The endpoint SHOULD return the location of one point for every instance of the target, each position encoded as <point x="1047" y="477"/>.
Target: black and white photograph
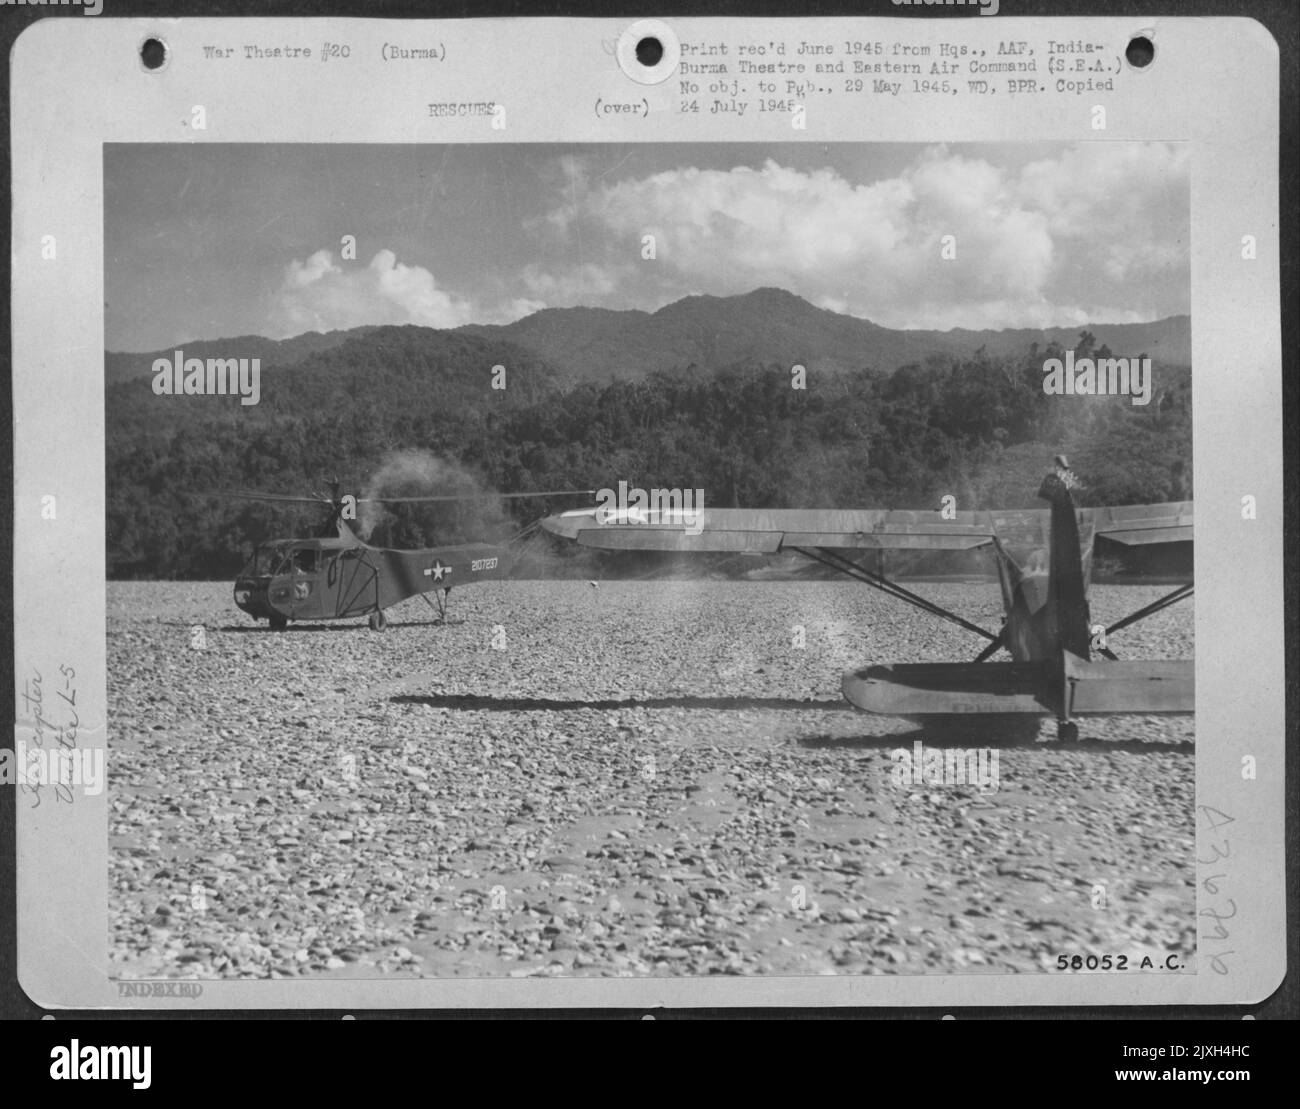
<point x="650" y="560"/>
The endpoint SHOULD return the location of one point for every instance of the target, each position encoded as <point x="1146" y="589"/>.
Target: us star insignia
<point x="437" y="571"/>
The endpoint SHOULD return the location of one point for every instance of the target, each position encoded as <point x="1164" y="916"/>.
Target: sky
<point x="207" y="241"/>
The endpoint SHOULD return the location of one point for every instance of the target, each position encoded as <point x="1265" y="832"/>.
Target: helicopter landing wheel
<point x="1067" y="731"/>
<point x="378" y="621"/>
<point x="278" y="623"/>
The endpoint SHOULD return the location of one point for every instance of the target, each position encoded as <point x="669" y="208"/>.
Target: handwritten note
<point x="1220" y="907"/>
<point x="53" y="759"/>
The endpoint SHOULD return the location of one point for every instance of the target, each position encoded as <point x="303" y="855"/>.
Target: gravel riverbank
<point x="644" y="778"/>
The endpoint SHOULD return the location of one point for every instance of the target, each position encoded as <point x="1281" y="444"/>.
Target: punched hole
<point x="153" y="53"/>
<point x="649" y="52"/>
<point x="1140" y="52"/>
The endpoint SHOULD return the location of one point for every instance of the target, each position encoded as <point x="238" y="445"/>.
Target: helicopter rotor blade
<point x="322" y="499"/>
<point x="274" y="498"/>
<point x="475" y="496"/>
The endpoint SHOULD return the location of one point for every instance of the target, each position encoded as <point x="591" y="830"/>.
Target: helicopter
<point x="335" y="575"/>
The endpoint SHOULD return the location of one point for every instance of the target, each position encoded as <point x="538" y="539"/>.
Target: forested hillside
<point x="975" y="425"/>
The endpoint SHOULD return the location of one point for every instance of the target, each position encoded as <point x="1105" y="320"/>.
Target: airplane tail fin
<point x="1067" y="596"/>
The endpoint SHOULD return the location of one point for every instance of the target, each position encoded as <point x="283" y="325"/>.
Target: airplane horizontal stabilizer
<point x="1131" y="685"/>
<point x="942" y="688"/>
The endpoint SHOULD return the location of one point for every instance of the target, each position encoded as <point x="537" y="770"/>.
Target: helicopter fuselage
<point x="336" y="579"/>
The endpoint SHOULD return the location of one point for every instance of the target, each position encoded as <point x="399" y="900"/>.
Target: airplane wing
<point x="769" y="530"/>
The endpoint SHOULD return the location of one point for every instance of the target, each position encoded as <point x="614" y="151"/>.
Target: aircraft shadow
<point x="292" y="629"/>
<point x="476" y="702"/>
<point x="1023" y="735"/>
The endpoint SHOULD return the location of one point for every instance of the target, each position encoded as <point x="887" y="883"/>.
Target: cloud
<point x="320" y="294"/>
<point x="587" y="283"/>
<point x="1093" y="233"/>
<point x="1079" y="236"/>
<point x="1127" y="201"/>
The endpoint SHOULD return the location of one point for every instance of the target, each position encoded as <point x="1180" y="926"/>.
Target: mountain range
<point x="767" y="326"/>
<point x="124" y="366"/>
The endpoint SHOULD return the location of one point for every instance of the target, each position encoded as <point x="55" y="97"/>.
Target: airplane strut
<point x="891" y="588"/>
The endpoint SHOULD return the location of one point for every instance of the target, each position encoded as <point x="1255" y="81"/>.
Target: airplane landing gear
<point x="278" y="623"/>
<point x="1067" y="731"/>
<point x="441" y="607"/>
<point x="378" y="621"/>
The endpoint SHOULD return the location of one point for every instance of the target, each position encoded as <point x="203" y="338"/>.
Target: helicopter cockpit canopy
<point x="272" y="559"/>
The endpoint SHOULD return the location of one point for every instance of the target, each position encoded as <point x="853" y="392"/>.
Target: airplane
<point x="336" y="576"/>
<point x="1043" y="557"/>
